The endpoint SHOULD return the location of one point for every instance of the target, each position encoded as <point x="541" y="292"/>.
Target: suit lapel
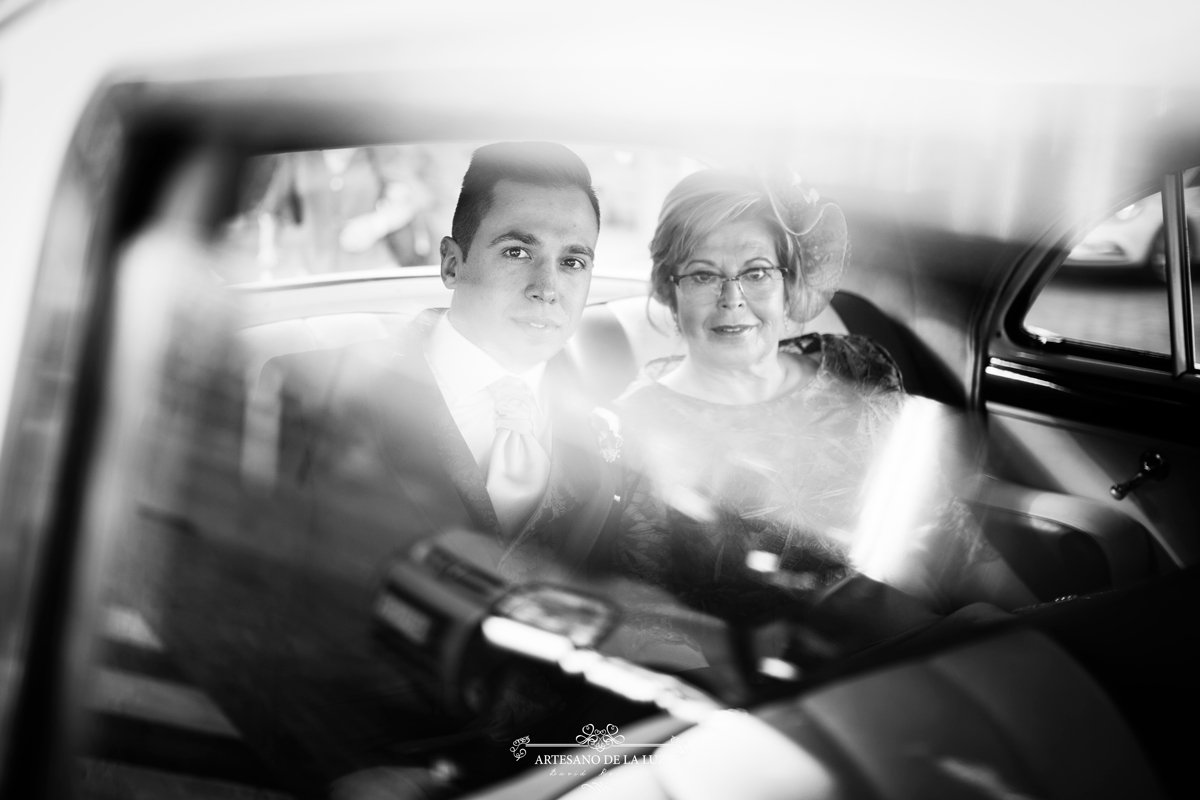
<point x="427" y="411"/>
<point x="578" y="497"/>
<point x="579" y="493"/>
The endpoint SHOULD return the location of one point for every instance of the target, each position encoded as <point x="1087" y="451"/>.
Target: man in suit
<point x="470" y="417"/>
<point x="466" y="418"/>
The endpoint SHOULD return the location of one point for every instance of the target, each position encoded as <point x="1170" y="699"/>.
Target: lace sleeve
<point x="643" y="548"/>
<point x="857" y="359"/>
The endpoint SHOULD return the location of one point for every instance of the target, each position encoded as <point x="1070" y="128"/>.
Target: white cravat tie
<point x="519" y="467"/>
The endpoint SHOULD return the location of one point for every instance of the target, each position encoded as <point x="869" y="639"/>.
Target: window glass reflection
<point x="1111" y="289"/>
<point x="385" y="207"/>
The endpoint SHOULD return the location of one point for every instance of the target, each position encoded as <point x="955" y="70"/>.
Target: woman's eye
<point x="755" y="275"/>
<point x="516" y="252"/>
<point x="704" y="278"/>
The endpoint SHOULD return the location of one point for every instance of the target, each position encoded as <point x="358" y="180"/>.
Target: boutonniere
<point x="607" y="426"/>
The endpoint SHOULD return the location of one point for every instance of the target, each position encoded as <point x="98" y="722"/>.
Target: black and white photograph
<point x="529" y="400"/>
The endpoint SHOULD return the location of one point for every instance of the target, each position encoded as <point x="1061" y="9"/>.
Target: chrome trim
<point x="1179" y="285"/>
<point x="1077" y="365"/>
<point x="1000" y="372"/>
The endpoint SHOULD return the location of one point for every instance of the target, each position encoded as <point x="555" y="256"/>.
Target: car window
<point x="386" y="207"/>
<point x="299" y="558"/>
<point x="1111" y="287"/>
<point x="237" y="641"/>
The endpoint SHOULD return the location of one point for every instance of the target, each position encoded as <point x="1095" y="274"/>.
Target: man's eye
<point x="516" y="252"/>
<point x="575" y="264"/>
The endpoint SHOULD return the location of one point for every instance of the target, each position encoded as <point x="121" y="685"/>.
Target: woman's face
<point x="730" y="330"/>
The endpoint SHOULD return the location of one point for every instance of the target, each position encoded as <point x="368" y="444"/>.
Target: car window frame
<point x="1007" y="338"/>
<point x="1179" y="278"/>
<point x="68" y="340"/>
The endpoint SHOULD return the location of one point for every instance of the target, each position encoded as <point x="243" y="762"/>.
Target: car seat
<point x="1058" y="544"/>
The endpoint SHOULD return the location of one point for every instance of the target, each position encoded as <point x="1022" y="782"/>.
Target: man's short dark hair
<point x="536" y="163"/>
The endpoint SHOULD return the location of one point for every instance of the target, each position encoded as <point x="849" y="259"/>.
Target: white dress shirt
<point x="463" y="373"/>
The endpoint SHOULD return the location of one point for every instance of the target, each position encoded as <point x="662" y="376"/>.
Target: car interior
<point x="201" y="552"/>
<point x="1059" y="544"/>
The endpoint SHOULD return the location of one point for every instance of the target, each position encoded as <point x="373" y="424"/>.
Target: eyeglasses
<point x="757" y="283"/>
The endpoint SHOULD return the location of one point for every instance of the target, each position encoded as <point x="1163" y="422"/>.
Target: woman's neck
<point x="740" y="386"/>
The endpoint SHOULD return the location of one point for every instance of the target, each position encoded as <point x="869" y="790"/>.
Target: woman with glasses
<point x="745" y="459"/>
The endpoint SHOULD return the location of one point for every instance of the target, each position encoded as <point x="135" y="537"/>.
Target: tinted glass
<point x="370" y="208"/>
<point x="1111" y="288"/>
<point x="302" y="567"/>
<point x="239" y="642"/>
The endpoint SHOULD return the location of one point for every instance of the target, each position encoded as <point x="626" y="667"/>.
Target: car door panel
<point x="1046" y="429"/>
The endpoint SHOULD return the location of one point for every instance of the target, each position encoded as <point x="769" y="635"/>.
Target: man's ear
<point x="452" y="260"/>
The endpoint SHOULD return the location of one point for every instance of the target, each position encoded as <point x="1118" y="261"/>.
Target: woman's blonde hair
<point x="810" y="237"/>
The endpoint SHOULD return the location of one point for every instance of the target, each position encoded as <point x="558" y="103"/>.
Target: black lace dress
<point x="706" y="483"/>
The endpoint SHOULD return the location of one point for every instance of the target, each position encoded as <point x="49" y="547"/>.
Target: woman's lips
<point x="731" y="330"/>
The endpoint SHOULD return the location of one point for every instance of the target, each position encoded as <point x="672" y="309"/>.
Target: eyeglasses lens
<point x="757" y="284"/>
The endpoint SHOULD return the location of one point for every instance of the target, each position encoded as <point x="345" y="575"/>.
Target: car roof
<point x="991" y="118"/>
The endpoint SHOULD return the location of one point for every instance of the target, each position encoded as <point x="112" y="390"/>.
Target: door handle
<point x="1154" y="467"/>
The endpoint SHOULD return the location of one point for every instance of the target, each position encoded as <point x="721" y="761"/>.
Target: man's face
<point x="520" y="291"/>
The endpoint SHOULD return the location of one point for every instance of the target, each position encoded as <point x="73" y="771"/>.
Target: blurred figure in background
<point x="322" y="211"/>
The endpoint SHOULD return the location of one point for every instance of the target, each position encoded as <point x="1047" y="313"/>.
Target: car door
<point x="1090" y="382"/>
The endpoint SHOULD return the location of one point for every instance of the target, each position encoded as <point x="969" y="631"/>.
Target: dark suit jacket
<point x="372" y="446"/>
<point x="274" y="615"/>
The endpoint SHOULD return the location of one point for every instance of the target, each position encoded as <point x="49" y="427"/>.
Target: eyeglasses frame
<point x="783" y="271"/>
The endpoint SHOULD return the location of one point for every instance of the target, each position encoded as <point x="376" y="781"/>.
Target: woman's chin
<point x="733" y="352"/>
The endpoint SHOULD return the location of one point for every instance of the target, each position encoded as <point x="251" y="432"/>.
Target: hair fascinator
<point x="816" y="232"/>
